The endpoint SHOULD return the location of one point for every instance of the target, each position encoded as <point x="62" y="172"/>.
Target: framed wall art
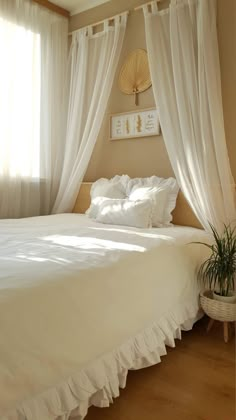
<point x="134" y="124"/>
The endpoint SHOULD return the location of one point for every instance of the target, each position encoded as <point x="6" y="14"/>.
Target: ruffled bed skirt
<point x="99" y="383"/>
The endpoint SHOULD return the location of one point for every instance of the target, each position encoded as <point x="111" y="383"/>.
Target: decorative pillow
<point x="159" y="198"/>
<point x="107" y="188"/>
<point x="125" y="212"/>
<point x="94" y="207"/>
<point x="152" y="181"/>
<point x="163" y="193"/>
<point x="123" y="180"/>
<point x="104" y="188"/>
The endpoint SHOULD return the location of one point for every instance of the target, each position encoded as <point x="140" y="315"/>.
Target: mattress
<point x="81" y="303"/>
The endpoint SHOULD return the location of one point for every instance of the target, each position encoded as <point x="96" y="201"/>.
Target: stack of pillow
<point x="138" y="202"/>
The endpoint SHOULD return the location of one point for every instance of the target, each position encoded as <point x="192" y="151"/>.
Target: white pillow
<point x="94" y="207"/>
<point x="152" y="181"/>
<point x="104" y="188"/>
<point x="125" y="212"/>
<point x="152" y="188"/>
<point x="123" y="179"/>
<point x="159" y="198"/>
<point x="107" y="188"/>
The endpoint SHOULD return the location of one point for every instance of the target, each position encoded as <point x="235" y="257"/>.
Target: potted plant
<point x="218" y="271"/>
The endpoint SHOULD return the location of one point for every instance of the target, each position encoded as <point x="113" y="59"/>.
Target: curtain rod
<point x="113" y="17"/>
<point x="146" y="4"/>
<point x="53" y="7"/>
<point x="100" y="22"/>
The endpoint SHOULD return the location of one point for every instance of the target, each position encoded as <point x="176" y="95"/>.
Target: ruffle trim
<point x="99" y="383"/>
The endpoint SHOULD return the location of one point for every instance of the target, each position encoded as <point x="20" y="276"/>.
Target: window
<point x="20" y="77"/>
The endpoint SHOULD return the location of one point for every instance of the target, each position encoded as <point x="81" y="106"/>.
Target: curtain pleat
<point x="93" y="63"/>
<point x="184" y="63"/>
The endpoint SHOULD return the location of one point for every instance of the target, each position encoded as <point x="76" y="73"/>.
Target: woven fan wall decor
<point x="134" y="74"/>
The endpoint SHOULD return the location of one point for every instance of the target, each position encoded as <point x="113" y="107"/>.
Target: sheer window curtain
<point x="93" y="63"/>
<point x="33" y="51"/>
<point x="184" y="63"/>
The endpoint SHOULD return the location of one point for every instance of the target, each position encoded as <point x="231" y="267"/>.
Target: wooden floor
<point x="195" y="381"/>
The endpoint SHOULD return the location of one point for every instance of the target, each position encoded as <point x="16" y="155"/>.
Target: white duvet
<point x="81" y="303"/>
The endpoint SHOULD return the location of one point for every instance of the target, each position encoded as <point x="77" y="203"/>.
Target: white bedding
<point x="81" y="303"/>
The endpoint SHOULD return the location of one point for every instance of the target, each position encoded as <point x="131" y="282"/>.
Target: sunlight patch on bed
<point x="37" y="259"/>
<point x="92" y="243"/>
<point x="132" y="232"/>
<point x="31" y="257"/>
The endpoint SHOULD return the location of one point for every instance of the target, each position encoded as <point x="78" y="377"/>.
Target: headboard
<point x="182" y="215"/>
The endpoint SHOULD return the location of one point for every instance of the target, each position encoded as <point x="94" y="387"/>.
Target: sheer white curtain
<point x="33" y="51"/>
<point x="93" y="62"/>
<point x="184" y="63"/>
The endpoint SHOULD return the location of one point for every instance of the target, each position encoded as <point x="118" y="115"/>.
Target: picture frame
<point x="134" y="124"/>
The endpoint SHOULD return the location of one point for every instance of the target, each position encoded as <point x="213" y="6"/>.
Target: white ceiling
<point x="77" y="6"/>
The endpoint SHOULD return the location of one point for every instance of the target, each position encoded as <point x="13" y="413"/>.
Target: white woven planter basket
<point x="220" y="311"/>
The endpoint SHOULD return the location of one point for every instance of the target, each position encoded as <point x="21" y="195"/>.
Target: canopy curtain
<point x="93" y="63"/>
<point x="33" y="51"/>
<point x="184" y="63"/>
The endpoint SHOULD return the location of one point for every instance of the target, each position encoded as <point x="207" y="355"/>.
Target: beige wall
<point x="227" y="51"/>
<point x="147" y="156"/>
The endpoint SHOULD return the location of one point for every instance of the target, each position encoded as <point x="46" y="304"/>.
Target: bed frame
<point x="182" y="215"/>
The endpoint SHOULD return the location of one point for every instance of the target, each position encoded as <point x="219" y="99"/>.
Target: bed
<point x="82" y="303"/>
